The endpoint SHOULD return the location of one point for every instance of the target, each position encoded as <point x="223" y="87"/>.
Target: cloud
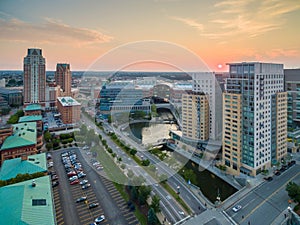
<point x="189" y="22"/>
<point x="51" y="31"/>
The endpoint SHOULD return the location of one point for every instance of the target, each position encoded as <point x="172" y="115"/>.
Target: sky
<point x="94" y="33"/>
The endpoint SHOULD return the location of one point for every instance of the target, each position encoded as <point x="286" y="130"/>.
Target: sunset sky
<point x="218" y="31"/>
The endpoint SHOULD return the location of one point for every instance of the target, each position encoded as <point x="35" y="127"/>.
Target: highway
<point x="171" y="209"/>
<point x="266" y="202"/>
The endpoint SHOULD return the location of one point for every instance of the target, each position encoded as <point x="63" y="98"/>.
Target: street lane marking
<point x="267" y="199"/>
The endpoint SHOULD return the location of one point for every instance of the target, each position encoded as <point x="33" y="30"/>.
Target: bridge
<point x="173" y="110"/>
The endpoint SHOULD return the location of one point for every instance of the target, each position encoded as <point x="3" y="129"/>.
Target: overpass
<point x="173" y="110"/>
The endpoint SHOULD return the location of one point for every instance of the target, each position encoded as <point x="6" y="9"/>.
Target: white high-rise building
<point x="254" y="117"/>
<point x="205" y="82"/>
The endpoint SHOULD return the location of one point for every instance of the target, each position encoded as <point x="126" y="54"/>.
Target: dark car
<point x="81" y="199"/>
<point x="93" y="205"/>
<point x="55" y="183"/>
<point x="277" y="172"/>
<point x="268" y="178"/>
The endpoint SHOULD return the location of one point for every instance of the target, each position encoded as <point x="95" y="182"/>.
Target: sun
<point x="220" y="66"/>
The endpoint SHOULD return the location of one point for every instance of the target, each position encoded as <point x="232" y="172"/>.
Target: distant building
<point x="28" y="202"/>
<point x="27" y="164"/>
<point x="118" y="97"/>
<point x="12" y="96"/>
<point x="53" y="91"/>
<point x="206" y="82"/>
<point x="292" y="87"/>
<point x="34" y="77"/>
<point x="69" y="109"/>
<point x="195" y="116"/>
<point x="254" y="118"/>
<point x="33" y="109"/>
<point x="22" y="142"/>
<point x="2" y="83"/>
<point x="63" y="78"/>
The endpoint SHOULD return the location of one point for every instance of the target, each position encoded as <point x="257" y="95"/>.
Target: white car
<point x="236" y="208"/>
<point x="100" y="219"/>
<point x="73" y="178"/>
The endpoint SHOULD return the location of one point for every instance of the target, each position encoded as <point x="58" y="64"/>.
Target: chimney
<point x="24" y="157"/>
<point x="33" y="183"/>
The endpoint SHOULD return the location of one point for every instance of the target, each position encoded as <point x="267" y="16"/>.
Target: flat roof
<point x="30" y="118"/>
<point x="12" y="167"/>
<point x="9" y="91"/>
<point x="33" y="107"/>
<point x="68" y="101"/>
<point x="23" y="134"/>
<point x="23" y="204"/>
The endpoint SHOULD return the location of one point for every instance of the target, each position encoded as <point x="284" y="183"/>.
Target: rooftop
<point x="33" y="107"/>
<point x="23" y="204"/>
<point x="23" y="134"/>
<point x="11" y="168"/>
<point x="9" y="91"/>
<point x="68" y="101"/>
<point x="24" y="119"/>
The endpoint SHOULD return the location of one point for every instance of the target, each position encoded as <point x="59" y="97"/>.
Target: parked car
<point x="236" y="208"/>
<point x="74" y="182"/>
<point x="73" y="178"/>
<point x="55" y="183"/>
<point x="86" y="186"/>
<point x="100" y="219"/>
<point x="93" y="205"/>
<point x="54" y="177"/>
<point x="81" y="174"/>
<point x="277" y="172"/>
<point x="83" y="182"/>
<point x="81" y="199"/>
<point x="71" y="174"/>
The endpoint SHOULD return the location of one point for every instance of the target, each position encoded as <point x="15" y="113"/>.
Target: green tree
<point x="144" y="193"/>
<point x="146" y="162"/>
<point x="49" y="146"/>
<point x="47" y="136"/>
<point x="293" y="191"/>
<point x="155" y="203"/>
<point x="133" y="151"/>
<point x="152" y="219"/>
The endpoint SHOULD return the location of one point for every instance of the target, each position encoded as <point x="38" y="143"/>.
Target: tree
<point x="293" y="191"/>
<point x="155" y="203"/>
<point x="49" y="146"/>
<point x="5" y="111"/>
<point x="133" y="151"/>
<point x="144" y="192"/>
<point x="47" y="136"/>
<point x="152" y="219"/>
<point x="146" y="162"/>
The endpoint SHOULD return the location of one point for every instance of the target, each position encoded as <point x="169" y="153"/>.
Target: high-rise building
<point x="205" y="82"/>
<point x="195" y="116"/>
<point x="34" y="77"/>
<point x="63" y="78"/>
<point x="292" y="87"/>
<point x="254" y="117"/>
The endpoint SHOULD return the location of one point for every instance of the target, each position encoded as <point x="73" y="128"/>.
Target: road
<point x="174" y="179"/>
<point x="168" y="205"/>
<point x="263" y="204"/>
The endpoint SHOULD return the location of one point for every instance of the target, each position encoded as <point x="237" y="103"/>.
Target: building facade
<point x="63" y="78"/>
<point x="292" y="87"/>
<point x="195" y="116"/>
<point x="34" y="77"/>
<point x="254" y="117"/>
<point x="13" y="97"/>
<point x="69" y="109"/>
<point x="205" y="82"/>
<point x="53" y="91"/>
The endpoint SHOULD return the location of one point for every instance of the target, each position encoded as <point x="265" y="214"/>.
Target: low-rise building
<point x="14" y="97"/>
<point x="23" y="141"/>
<point x="69" y="109"/>
<point x="5" y="131"/>
<point x="25" y="164"/>
<point x="33" y="109"/>
<point x="28" y="202"/>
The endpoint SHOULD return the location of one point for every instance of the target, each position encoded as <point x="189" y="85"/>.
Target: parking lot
<point x="101" y="191"/>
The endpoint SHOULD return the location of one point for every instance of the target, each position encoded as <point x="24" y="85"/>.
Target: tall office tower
<point x="195" y="116"/>
<point x="63" y="78"/>
<point x="205" y="82"/>
<point x="254" y="117"/>
<point x="292" y="87"/>
<point x="34" y="77"/>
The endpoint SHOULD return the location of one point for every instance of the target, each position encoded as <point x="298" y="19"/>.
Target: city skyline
<point x="218" y="32"/>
